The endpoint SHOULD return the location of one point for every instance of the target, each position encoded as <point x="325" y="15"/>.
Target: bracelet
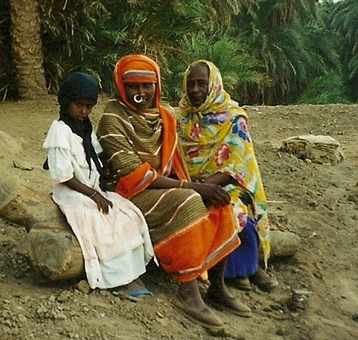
<point x="94" y="193"/>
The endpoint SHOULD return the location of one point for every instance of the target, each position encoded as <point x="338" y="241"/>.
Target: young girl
<point x="112" y="232"/>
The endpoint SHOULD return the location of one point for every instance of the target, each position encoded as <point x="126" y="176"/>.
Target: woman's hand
<point x="103" y="203"/>
<point x="221" y="179"/>
<point x="212" y="194"/>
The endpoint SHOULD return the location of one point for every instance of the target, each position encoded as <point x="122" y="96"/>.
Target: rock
<point x="59" y="315"/>
<point x="299" y="299"/>
<point x="53" y="249"/>
<point x="22" y="165"/>
<point x="83" y="287"/>
<point x="31" y="209"/>
<point x="10" y="147"/>
<point x="64" y="296"/>
<point x="284" y="243"/>
<point x="318" y="149"/>
<point x="281" y="332"/>
<point x="355" y="317"/>
<point x="56" y="254"/>
<point x="22" y="318"/>
<point x="8" y="187"/>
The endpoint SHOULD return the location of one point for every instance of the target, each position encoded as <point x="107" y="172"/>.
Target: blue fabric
<point x="244" y="261"/>
<point x="140" y="292"/>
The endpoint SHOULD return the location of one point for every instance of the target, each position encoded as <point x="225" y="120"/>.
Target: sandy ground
<point x="318" y="202"/>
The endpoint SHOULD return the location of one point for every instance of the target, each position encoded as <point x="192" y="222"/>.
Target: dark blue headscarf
<point x="77" y="86"/>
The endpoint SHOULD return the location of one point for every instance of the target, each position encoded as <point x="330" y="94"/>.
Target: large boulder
<point x="56" y="254"/>
<point x="54" y="250"/>
<point x="319" y="149"/>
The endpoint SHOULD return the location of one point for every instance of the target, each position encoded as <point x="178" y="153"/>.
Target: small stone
<point x="275" y="306"/>
<point x="281" y="332"/>
<point x="23" y="165"/>
<point x="355" y="317"/>
<point x="104" y="292"/>
<point x="63" y="297"/>
<point x="22" y="318"/>
<point x="52" y="298"/>
<point x="59" y="316"/>
<point x="299" y="299"/>
<point x="160" y="315"/>
<point x="313" y="204"/>
<point x="83" y="287"/>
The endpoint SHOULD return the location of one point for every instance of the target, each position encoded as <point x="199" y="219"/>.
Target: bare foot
<point x="191" y="303"/>
<point x="264" y="281"/>
<point x="221" y="298"/>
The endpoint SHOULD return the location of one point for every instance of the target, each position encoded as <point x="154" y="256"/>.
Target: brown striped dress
<point x="177" y="217"/>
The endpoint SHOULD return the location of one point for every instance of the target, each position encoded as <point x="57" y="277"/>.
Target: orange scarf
<point x="141" y="69"/>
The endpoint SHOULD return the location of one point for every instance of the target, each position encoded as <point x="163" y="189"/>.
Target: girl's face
<point x="80" y="109"/>
<point x="142" y="92"/>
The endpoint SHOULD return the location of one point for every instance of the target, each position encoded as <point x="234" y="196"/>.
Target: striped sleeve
<point x="118" y="150"/>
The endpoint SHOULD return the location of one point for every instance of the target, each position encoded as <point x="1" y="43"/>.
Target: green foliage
<point x="237" y="67"/>
<point x="267" y="50"/>
<point x="287" y="37"/>
<point x="73" y="38"/>
<point x="344" y="20"/>
<point x="328" y="89"/>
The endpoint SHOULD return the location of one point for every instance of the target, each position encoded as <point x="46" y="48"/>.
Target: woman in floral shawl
<point x="218" y="149"/>
<point x="191" y="224"/>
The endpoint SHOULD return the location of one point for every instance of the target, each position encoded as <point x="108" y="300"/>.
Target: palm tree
<point x="345" y="22"/>
<point x="278" y="36"/>
<point x="27" y="48"/>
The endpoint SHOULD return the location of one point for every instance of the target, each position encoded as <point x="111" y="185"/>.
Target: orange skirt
<point x="191" y="251"/>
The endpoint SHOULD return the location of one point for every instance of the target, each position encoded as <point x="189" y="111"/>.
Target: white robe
<point x="116" y="247"/>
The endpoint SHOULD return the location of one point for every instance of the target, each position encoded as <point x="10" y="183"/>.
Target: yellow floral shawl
<point x="215" y="138"/>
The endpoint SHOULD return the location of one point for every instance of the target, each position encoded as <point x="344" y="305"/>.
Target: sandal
<point x="139" y="292"/>
<point x="134" y="289"/>
<point x="205" y="317"/>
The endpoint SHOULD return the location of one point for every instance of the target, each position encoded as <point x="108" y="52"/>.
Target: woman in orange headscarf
<point x="191" y="224"/>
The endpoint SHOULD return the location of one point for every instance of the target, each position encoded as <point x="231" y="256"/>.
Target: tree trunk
<point x="27" y="48"/>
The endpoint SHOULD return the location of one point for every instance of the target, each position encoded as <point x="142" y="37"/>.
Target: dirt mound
<point x="318" y="202"/>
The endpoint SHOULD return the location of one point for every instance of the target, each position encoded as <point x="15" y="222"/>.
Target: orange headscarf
<point x="141" y="69"/>
<point x="137" y="68"/>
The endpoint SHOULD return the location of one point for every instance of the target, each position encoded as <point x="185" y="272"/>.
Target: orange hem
<point x="201" y="245"/>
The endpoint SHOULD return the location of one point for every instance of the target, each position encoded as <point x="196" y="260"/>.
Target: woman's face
<point x="142" y="92"/>
<point x="80" y="109"/>
<point x="197" y="84"/>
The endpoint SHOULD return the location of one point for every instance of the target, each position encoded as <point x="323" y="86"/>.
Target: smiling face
<point x="80" y="109"/>
<point x="144" y="90"/>
<point x="197" y="84"/>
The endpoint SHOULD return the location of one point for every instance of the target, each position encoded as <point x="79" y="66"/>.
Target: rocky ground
<point x="318" y="294"/>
